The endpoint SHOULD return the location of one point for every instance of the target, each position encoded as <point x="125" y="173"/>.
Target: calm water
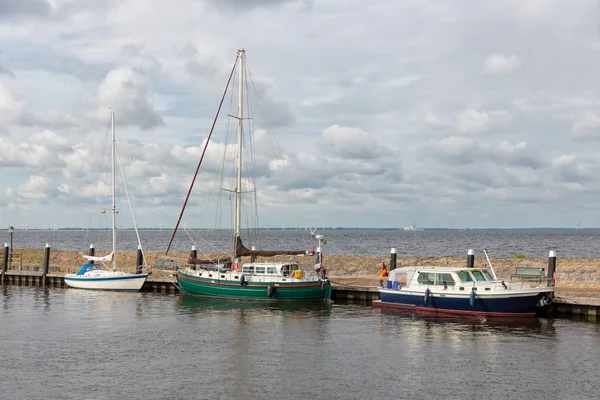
<point x="534" y="243"/>
<point x="72" y="344"/>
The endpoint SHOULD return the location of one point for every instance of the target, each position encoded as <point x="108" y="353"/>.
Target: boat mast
<point x="240" y="118"/>
<point x="114" y="207"/>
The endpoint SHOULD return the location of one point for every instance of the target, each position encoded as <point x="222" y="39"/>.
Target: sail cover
<point x="241" y="251"/>
<point x="107" y="257"/>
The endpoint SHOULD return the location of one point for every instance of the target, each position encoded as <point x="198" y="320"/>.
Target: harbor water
<point x="75" y="344"/>
<point x="435" y="243"/>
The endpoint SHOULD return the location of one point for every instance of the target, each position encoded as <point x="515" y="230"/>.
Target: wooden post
<point x="470" y="258"/>
<point x="193" y="255"/>
<point x="5" y="264"/>
<point x="392" y="259"/>
<point x="139" y="265"/>
<point x="253" y="257"/>
<point x="46" y="263"/>
<point x="92" y="251"/>
<point x="552" y="268"/>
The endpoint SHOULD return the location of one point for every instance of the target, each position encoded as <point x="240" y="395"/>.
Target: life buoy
<point x="270" y="290"/>
<point x="242" y="280"/>
<point x="427" y="295"/>
<point x="472" y="298"/>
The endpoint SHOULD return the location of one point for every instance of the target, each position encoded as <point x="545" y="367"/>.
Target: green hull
<point x="317" y="290"/>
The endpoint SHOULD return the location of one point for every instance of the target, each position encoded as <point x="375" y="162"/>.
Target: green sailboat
<point x="228" y="278"/>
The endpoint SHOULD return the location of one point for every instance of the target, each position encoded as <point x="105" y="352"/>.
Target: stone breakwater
<point x="572" y="273"/>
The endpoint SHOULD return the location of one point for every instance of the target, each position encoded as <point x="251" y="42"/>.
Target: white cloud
<point x="501" y="63"/>
<point x="126" y="91"/>
<point x="587" y="127"/>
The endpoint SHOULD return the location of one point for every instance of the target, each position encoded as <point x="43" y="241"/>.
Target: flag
<point x="384" y="273"/>
<point x="312" y="252"/>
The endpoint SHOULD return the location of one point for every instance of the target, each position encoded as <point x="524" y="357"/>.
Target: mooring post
<point x="552" y="268"/>
<point x="92" y="252"/>
<point x="193" y="255"/>
<point x="253" y="257"/>
<point x="46" y="263"/>
<point x="393" y="259"/>
<point x="5" y="264"/>
<point x="470" y="258"/>
<point x="139" y="265"/>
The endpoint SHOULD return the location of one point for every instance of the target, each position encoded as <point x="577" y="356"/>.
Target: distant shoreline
<point x="321" y="229"/>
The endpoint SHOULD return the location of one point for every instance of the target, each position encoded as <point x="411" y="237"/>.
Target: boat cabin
<point x="437" y="276"/>
<point x="287" y="269"/>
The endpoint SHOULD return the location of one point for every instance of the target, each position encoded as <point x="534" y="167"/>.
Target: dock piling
<point x="552" y="268"/>
<point x="193" y="255"/>
<point x="470" y="258"/>
<point x="139" y="265"/>
<point x="5" y="264"/>
<point x="392" y="259"/>
<point x="46" y="262"/>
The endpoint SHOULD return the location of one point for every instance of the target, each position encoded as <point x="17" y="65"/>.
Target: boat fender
<point x="270" y="290"/>
<point x="427" y="295"/>
<point x="472" y="298"/>
<point x="242" y="280"/>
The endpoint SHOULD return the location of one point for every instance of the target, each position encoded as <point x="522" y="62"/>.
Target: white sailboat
<point x="91" y="275"/>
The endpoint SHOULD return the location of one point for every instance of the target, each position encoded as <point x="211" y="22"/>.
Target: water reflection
<point x="430" y="321"/>
<point x="193" y="305"/>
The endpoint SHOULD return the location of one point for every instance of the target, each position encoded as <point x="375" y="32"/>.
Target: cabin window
<point x="445" y="278"/>
<point x="488" y="277"/>
<point x="464" y="276"/>
<point x="271" y="270"/>
<point x="478" y="276"/>
<point x="294" y="267"/>
<point x="285" y="270"/>
<point x="426" y="278"/>
<point x="248" y="270"/>
<point x="260" y="270"/>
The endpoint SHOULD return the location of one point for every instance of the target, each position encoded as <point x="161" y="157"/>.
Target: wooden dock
<point x="164" y="283"/>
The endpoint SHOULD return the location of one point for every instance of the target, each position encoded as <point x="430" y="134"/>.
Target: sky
<point x="462" y="114"/>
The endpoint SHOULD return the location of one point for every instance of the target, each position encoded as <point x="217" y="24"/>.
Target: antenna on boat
<point x="490" y="264"/>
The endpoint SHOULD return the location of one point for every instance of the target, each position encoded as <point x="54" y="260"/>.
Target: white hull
<point x="107" y="281"/>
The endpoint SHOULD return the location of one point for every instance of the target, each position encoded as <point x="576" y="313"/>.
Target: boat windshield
<point x="487" y="276"/>
<point x="464" y="276"/>
<point x="478" y="276"/>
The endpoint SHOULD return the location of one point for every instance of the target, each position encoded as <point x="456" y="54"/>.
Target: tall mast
<point x="240" y="118"/>
<point x="114" y="207"/>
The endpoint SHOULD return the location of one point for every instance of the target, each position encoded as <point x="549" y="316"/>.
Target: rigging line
<point x="280" y="162"/>
<point x="219" y="183"/>
<point x="137" y="233"/>
<point x="201" y="158"/>
<point x="95" y="193"/>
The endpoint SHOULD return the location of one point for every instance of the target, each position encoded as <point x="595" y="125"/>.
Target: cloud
<point x="501" y="63"/>
<point x="24" y="8"/>
<point x="126" y="91"/>
<point x="587" y="127"/>
<point x="472" y="121"/>
<point x="461" y="112"/>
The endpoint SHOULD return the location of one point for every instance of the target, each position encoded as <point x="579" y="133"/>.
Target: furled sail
<point x="241" y="251"/>
<point x="197" y="261"/>
<point x="107" y="257"/>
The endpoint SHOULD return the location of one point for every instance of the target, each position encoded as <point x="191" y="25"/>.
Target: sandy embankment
<point x="578" y="276"/>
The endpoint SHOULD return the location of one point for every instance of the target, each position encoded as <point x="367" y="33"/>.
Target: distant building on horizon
<point x="413" y="227"/>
